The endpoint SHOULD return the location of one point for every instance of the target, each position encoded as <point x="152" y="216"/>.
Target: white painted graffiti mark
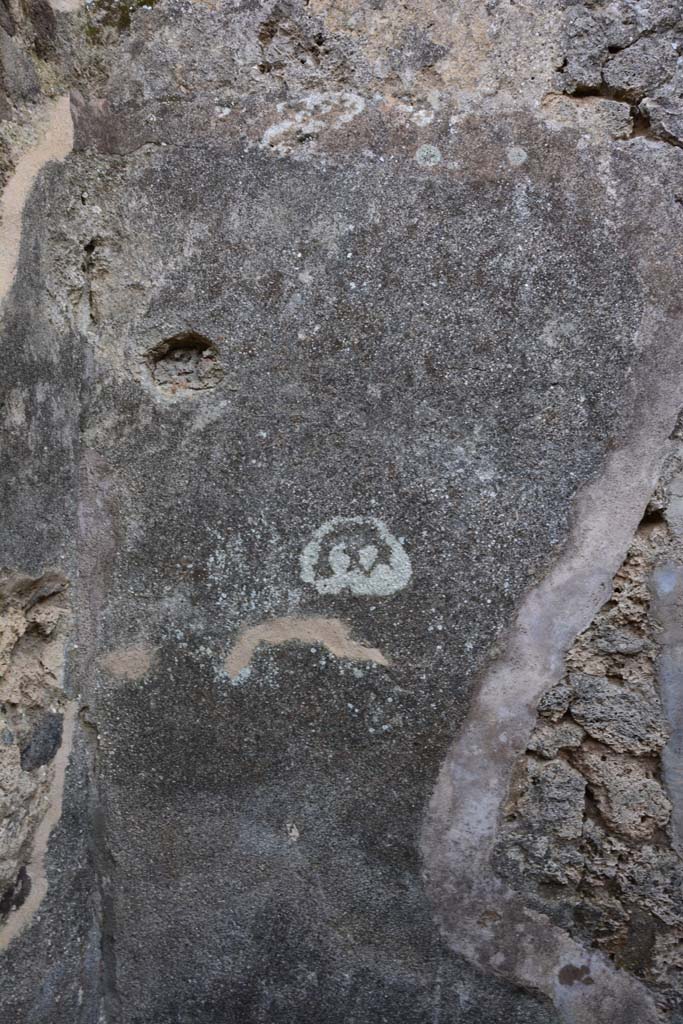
<point x="356" y="553"/>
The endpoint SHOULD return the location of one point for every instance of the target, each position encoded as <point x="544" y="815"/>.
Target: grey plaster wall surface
<point x="340" y="361"/>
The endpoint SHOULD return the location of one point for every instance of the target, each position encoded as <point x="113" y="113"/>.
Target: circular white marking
<point x="517" y="156"/>
<point x="428" y="156"/>
<point x="355" y="553"/>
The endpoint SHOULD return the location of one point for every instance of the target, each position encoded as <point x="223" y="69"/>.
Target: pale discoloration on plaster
<point x="131" y="662"/>
<point x="333" y="634"/>
<point x="668" y="589"/>
<point x="55" y="143"/>
<point x="480" y="915"/>
<point x="309" y="115"/>
<point x="590" y="790"/>
<point x="358" y="554"/>
<point x="65" y="6"/>
<point x="21" y="918"/>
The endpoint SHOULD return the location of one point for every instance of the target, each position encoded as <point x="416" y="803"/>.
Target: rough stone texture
<point x="33" y="626"/>
<point x="435" y="262"/>
<point x="589" y="826"/>
<point x="187" y="361"/>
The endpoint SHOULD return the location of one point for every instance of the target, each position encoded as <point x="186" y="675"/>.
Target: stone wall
<point x="340" y="602"/>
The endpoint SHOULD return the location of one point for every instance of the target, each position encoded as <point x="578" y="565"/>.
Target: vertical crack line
<point x="103" y="865"/>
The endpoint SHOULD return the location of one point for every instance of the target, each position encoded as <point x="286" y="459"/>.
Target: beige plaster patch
<point x="333" y="634"/>
<point x="132" y="662"/>
<point x="55" y="143"/>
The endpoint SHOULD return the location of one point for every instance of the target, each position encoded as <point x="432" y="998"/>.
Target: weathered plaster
<point x="131" y="662"/>
<point x="67" y="6"/>
<point x="667" y="584"/>
<point x="397" y="225"/>
<point x="316" y="630"/>
<point x="481" y="917"/>
<point x="20" y="919"/>
<point x="54" y="143"/>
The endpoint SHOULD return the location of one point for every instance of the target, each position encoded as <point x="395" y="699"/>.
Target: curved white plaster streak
<point x="55" y="143"/>
<point x="334" y="634"/>
<point x="21" y="918"/>
<point x="480" y="916"/>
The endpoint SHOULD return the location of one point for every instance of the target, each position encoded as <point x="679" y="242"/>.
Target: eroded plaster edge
<point x="54" y="143"/>
<point x="480" y="916"/>
<point x="66" y="6"/>
<point x="334" y="634"/>
<point x="19" y="919"/>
